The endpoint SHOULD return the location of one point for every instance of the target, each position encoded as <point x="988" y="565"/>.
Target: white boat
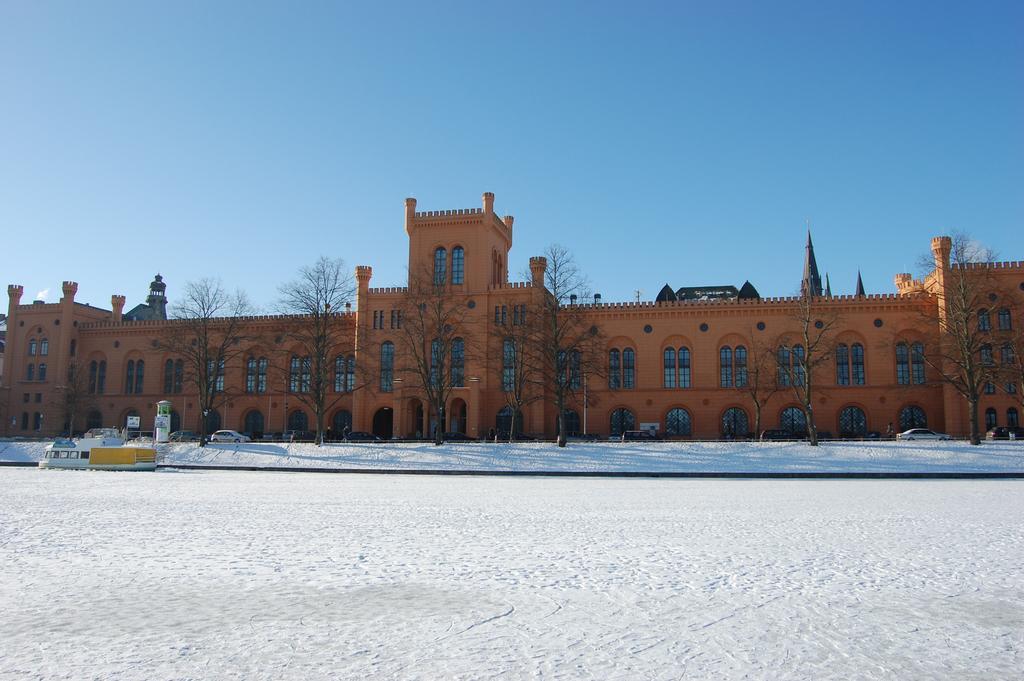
<point x="101" y="449"/>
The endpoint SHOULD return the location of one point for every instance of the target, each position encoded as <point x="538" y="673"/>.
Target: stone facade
<point x="54" y="335"/>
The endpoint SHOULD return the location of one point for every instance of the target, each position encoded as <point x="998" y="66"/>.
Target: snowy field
<point x="658" y="457"/>
<point x="210" y="574"/>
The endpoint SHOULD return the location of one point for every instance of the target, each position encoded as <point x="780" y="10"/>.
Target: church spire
<point x="828" y="287"/>
<point x="811" y="284"/>
<point x="860" y="286"/>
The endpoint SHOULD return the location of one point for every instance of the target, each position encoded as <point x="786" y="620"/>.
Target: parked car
<point x="637" y="435"/>
<point x="228" y="436"/>
<point x="778" y="434"/>
<point x="183" y="436"/>
<point x="362" y="436"/>
<point x="921" y="434"/>
<point x="458" y="437"/>
<point x="1005" y="432"/>
<point x="298" y="436"/>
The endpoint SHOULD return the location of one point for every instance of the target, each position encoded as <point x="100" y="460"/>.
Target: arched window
<point x="44" y="347"/>
<point x="508" y="365"/>
<point x="853" y="422"/>
<point x="990" y="418"/>
<point x="458" y="368"/>
<point x="842" y="364"/>
<point x="902" y="364"/>
<point x="572" y="423"/>
<point x="575" y="372"/>
<point x="340" y="366"/>
<point x="215" y="373"/>
<point x="436" y="362"/>
<point x="140" y="368"/>
<point x="725" y="367"/>
<point x="92" y="377"/>
<point x="1004" y="319"/>
<point x="254" y="424"/>
<point x="912" y="417"/>
<point x="93" y="419"/>
<point x="1006" y="356"/>
<point x="350" y="375"/>
<point x="129" y="380"/>
<point x="987" y="357"/>
<point x="677" y="423"/>
<point x="734" y="423"/>
<point x="250" y="375"/>
<point x="782" y="358"/>
<point x="628" y="368"/>
<point x="799" y="365"/>
<point x="169" y="377"/>
<point x="621" y="421"/>
<point x="101" y="377"/>
<point x="299" y="374"/>
<point x="458" y="264"/>
<point x="504" y="425"/>
<point x="261" y="375"/>
<point x="614" y="369"/>
<point x="440" y="266"/>
<point x="30" y="372"/>
<point x="42" y="371"/>
<point x="857" y="362"/>
<point x="341" y="424"/>
<point x="32" y="347"/>
<point x="1012" y="417"/>
<point x="297" y="420"/>
<point x="793" y="421"/>
<point x="684" y="367"/>
<point x="741" y="366"/>
<point x="669" y="379"/>
<point x="917" y="363"/>
<point x="984" y="321"/>
<point x="387" y="366"/>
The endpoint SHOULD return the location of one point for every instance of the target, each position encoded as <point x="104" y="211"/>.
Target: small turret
<point x="538" y="266"/>
<point x="489" y="203"/>
<point x="15" y="292"/>
<point x="117" y="305"/>
<point x="410" y="214"/>
<point x="69" y="288"/>
<point x="942" y="246"/>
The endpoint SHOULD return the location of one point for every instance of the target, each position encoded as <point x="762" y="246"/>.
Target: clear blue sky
<point x="678" y="142"/>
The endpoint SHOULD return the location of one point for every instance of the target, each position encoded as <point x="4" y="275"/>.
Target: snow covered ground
<point x="659" y="457"/>
<point x="228" y="574"/>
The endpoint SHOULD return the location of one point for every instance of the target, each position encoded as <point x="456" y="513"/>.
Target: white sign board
<point x="133" y="422"/>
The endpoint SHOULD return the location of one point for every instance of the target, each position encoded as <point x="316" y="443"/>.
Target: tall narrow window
<point x="902" y="364"/>
<point x="140" y="368"/>
<point x="261" y="375"/>
<point x="684" y="367"/>
<point x="508" y="365"/>
<point x="168" y="377"/>
<point x="101" y="377"/>
<point x="339" y="374"/>
<point x="575" y="374"/>
<point x="436" y="362"/>
<point x="725" y="367"/>
<point x="628" y="368"/>
<point x="215" y="374"/>
<point x="741" y="366"/>
<point x="129" y="381"/>
<point x="30" y="372"/>
<point x="614" y="369"/>
<point x="42" y="371"/>
<point x="458" y="369"/>
<point x="387" y="366"/>
<point x="1012" y="417"/>
<point x="782" y="359"/>
<point x="92" y="377"/>
<point x="299" y="374"/>
<point x="458" y="264"/>
<point x="440" y="266"/>
<point x="669" y="377"/>
<point x="350" y="374"/>
<point x="250" y="375"/>
<point x="74" y="346"/>
<point x="179" y="375"/>
<point x="857" y="363"/>
<point x="984" y="321"/>
<point x="1004" y="320"/>
<point x="44" y="347"/>
<point x="32" y="348"/>
<point x="990" y="419"/>
<point x="842" y="364"/>
<point x="799" y="365"/>
<point x="987" y="358"/>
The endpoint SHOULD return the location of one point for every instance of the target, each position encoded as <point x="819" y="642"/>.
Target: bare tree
<point x="569" y="345"/>
<point x="73" y="398"/>
<point x="797" y="362"/>
<point x="434" y="342"/>
<point x="761" y="379"/>
<point x="207" y="332"/>
<point x="520" y="371"/>
<point x="960" y="351"/>
<point x="317" y="298"/>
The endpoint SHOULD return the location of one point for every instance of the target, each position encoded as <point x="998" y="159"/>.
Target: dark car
<point x="779" y="434"/>
<point x="1004" y="433"/>
<point x="298" y="436"/>
<point x="183" y="436"/>
<point x="637" y="435"/>
<point x="361" y="436"/>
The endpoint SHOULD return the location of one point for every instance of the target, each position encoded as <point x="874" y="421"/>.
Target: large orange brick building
<point x="677" y="363"/>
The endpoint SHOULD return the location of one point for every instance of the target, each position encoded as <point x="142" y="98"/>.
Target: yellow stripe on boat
<point x="113" y="456"/>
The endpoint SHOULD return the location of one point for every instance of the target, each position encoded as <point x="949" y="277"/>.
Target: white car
<point x="921" y="434"/>
<point x="229" y="436"/>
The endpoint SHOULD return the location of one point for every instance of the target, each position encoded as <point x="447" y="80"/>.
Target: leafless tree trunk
<point x="207" y="332"/>
<point x="762" y="378"/>
<point x="434" y="343"/>
<point x="520" y="371"/>
<point x="73" y="396"/>
<point x="317" y="298"/>
<point x="569" y="345"/>
<point x="797" y="362"/>
<point x="957" y="352"/>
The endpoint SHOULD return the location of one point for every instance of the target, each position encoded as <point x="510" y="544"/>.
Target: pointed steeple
<point x="860" y="286"/>
<point x="828" y="287"/>
<point x="811" y="284"/>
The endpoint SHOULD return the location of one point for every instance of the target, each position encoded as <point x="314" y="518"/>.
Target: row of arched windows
<point x="134" y="371"/>
<point x="42" y="346"/>
<point x="1003" y="320"/>
<point x="992" y="419"/>
<point x="32" y="375"/>
<point x="849" y="364"/>
<point x="174" y="376"/>
<point x="97" y="377"/>
<point x="256" y="375"/>
<point x="344" y="374"/>
<point x="621" y="368"/>
<point x="909" y="364"/>
<point x="732" y="367"/>
<point x="441" y="265"/>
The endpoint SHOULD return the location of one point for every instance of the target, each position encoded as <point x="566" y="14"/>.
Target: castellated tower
<point x="466" y="248"/>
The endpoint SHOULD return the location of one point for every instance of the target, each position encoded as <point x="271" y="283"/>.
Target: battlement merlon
<point x="485" y="214"/>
